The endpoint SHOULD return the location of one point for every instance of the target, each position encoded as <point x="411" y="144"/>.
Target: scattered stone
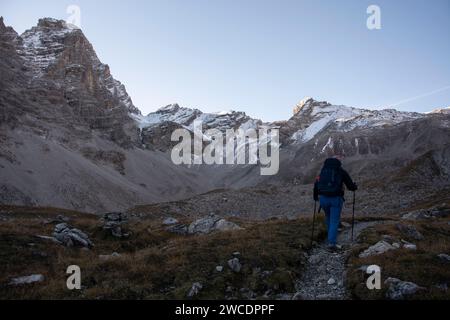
<point x="417" y="215"/>
<point x="27" y="279"/>
<point x="410" y="246"/>
<point x="236" y="253"/>
<point x="211" y="223"/>
<point x="331" y="281"/>
<point x="442" y="286"/>
<point x="235" y="265"/>
<point x="246" y="293"/>
<point x="396" y="245"/>
<point x="399" y="289"/>
<point x="315" y="259"/>
<point x="219" y="268"/>
<point x="444" y="257"/>
<point x="71" y="237"/>
<point x="284" y="296"/>
<point x="109" y="256"/>
<point x="409" y="231"/>
<point x="378" y="248"/>
<point x="170" y="221"/>
<point x="387" y="238"/>
<point x="113" y="223"/>
<point x="62" y="218"/>
<point x="346" y="224"/>
<point x="195" y="289"/>
<point x="178" y="229"/>
<point x="423" y="214"/>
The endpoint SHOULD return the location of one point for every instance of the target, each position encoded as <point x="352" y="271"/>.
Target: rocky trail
<point x="324" y="276"/>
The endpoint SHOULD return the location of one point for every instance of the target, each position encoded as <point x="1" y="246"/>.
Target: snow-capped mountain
<point x="71" y="136"/>
<point x="185" y="117"/>
<point x="311" y="117"/>
<point x="53" y="49"/>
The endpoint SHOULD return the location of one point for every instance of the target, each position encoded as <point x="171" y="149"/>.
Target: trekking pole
<point x="353" y="214"/>
<point x="314" y="219"/>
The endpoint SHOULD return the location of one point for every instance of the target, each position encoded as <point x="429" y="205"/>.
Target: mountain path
<point x="324" y="275"/>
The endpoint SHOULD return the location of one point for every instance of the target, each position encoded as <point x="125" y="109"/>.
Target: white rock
<point x="27" y="279"/>
<point x="331" y="281"/>
<point x="410" y="246"/>
<point x="378" y="248"/>
<point x="219" y="268"/>
<point x="170" y="221"/>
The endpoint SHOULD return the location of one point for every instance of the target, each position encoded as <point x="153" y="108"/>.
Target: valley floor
<point x="265" y="259"/>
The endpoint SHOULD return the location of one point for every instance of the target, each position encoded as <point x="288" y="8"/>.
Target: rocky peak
<point x="52" y="24"/>
<point x="8" y="34"/>
<point x="307" y="104"/>
<point x="56" y="52"/>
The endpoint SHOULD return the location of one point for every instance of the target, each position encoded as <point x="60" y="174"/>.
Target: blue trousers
<point x="332" y="207"/>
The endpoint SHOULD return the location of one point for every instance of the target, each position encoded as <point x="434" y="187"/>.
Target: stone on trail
<point x="378" y="248"/>
<point x="399" y="290"/>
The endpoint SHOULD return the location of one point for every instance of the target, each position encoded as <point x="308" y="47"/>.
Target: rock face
<point x="399" y="290"/>
<point x="71" y="237"/>
<point x="378" y="248"/>
<point x="211" y="223"/>
<point x="113" y="222"/>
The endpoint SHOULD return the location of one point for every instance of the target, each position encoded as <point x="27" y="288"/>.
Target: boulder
<point x="71" y="237"/>
<point x="444" y="257"/>
<point x="399" y="289"/>
<point x="211" y="223"/>
<point x="27" y="279"/>
<point x="235" y="265"/>
<point x="409" y="231"/>
<point x="113" y="223"/>
<point x="378" y="248"/>
<point x="178" y="229"/>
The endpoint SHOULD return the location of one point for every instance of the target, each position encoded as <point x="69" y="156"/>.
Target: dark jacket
<point x="345" y="180"/>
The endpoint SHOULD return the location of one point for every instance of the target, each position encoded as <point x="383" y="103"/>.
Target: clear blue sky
<point x="261" y="56"/>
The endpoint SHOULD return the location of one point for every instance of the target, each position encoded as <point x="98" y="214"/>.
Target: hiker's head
<point x="338" y="156"/>
<point x="332" y="162"/>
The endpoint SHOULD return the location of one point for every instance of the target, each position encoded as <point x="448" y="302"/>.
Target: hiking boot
<point x="334" y="248"/>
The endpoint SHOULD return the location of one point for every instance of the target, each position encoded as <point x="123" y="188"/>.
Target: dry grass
<point x="422" y="266"/>
<point x="154" y="264"/>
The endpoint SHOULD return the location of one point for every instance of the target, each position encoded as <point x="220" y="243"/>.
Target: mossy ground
<point x="154" y="264"/>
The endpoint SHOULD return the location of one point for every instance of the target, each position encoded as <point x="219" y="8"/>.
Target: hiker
<point x="328" y="187"/>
